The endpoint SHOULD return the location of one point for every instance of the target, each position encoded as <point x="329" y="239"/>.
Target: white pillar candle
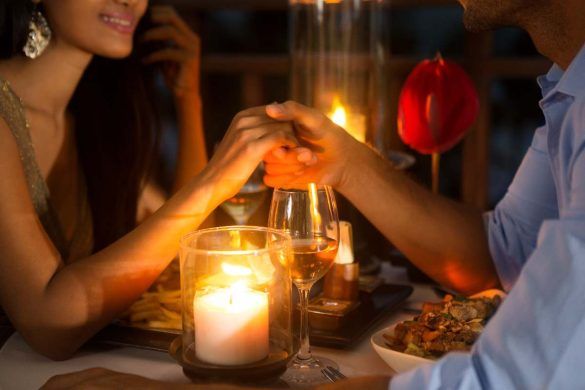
<point x="231" y="326"/>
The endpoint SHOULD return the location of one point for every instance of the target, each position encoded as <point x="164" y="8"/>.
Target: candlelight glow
<point x="238" y="287"/>
<point x="354" y="123"/>
<point x="338" y="115"/>
<point x="235" y="270"/>
<point x="232" y="325"/>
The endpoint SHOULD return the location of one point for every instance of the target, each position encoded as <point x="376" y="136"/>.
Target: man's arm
<point x="444" y="239"/>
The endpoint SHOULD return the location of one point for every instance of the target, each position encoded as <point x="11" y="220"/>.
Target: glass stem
<point x="241" y="221"/>
<point x="305" y="348"/>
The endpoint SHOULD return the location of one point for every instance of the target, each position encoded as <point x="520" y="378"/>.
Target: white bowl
<point x="398" y="361"/>
<point x="401" y="362"/>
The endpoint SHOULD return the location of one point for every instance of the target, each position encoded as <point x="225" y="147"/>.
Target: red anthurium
<point x="437" y="105"/>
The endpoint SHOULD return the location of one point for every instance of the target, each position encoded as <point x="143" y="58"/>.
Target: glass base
<point x="307" y="372"/>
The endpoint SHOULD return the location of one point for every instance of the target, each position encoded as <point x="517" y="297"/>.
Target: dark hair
<point x="14" y="18"/>
<point x="116" y="126"/>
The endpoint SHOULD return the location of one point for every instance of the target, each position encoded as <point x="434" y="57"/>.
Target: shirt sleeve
<point x="514" y="224"/>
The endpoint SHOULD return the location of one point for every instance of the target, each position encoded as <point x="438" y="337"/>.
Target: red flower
<point x="437" y="105"/>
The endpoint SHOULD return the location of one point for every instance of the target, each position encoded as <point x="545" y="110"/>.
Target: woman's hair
<point x="116" y="126"/>
<point x="14" y="18"/>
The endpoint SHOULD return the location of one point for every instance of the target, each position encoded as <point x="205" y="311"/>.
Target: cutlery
<point x="332" y="374"/>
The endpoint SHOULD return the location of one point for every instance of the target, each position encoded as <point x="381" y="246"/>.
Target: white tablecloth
<point x="22" y="368"/>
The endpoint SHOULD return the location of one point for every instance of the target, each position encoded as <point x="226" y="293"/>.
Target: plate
<point x="398" y="361"/>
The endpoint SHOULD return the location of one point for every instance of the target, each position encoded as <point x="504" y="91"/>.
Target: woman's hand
<point x="251" y="136"/>
<point x="325" y="156"/>
<point x="182" y="57"/>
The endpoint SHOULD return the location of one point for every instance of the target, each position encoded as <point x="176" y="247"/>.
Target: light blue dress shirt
<point x="536" y="340"/>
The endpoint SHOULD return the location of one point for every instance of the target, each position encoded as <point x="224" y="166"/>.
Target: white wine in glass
<point x="312" y="259"/>
<point x="310" y="218"/>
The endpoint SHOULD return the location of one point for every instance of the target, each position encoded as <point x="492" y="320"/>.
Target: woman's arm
<point x="57" y="307"/>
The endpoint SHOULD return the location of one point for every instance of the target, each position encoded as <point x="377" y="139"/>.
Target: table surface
<point x="22" y="368"/>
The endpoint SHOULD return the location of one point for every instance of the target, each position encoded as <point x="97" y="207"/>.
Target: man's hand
<point x="325" y="153"/>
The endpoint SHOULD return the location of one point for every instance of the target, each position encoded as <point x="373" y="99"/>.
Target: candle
<point x="231" y="325"/>
<point x="345" y="247"/>
<point x="353" y="123"/>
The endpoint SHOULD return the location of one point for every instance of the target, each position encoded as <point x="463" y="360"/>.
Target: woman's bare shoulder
<point x="11" y="168"/>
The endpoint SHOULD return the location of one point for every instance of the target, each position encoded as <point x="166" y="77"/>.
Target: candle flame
<point x="239" y="286"/>
<point x="351" y="121"/>
<point x="338" y="114"/>
<point x="235" y="270"/>
<point x="236" y="289"/>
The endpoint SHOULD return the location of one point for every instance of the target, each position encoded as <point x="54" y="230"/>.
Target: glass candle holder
<point x="339" y="54"/>
<point x="236" y="301"/>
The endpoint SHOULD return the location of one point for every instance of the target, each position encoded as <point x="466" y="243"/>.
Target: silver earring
<point x="39" y="35"/>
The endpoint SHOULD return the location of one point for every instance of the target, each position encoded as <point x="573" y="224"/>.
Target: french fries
<point x="160" y="307"/>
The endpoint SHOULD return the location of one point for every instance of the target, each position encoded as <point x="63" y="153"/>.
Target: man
<point x="532" y="244"/>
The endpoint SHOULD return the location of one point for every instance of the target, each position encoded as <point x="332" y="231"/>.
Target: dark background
<point x="250" y="29"/>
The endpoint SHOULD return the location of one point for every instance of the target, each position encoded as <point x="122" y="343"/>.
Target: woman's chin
<point x="115" y="52"/>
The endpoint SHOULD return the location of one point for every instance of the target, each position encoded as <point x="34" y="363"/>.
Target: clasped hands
<point x="298" y="144"/>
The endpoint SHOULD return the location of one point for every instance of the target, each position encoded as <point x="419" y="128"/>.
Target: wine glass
<point x="310" y="218"/>
<point x="245" y="203"/>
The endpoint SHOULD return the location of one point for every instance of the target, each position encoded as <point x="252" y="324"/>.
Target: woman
<point x="76" y="124"/>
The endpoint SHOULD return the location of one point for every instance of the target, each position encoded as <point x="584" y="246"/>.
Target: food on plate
<point x="160" y="307"/>
<point x="451" y="325"/>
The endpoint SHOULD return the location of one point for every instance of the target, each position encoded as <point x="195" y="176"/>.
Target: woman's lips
<point x="123" y="23"/>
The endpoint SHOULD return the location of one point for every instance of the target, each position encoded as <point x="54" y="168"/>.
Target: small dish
<point x="398" y="361"/>
<point x="401" y="362"/>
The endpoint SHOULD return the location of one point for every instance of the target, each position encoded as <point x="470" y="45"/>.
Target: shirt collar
<point x="570" y="82"/>
<point x="549" y="81"/>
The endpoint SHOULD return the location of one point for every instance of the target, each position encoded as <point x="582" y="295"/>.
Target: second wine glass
<point x="245" y="203"/>
<point x="310" y="218"/>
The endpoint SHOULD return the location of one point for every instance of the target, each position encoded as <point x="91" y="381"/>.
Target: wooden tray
<point x="373" y="307"/>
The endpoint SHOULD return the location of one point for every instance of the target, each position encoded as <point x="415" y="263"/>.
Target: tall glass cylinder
<point x="339" y="52"/>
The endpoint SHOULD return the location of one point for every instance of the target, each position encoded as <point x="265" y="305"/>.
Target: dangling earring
<point x="39" y="35"/>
